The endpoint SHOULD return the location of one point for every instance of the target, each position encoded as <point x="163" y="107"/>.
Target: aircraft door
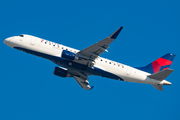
<point x="128" y="71"/>
<point x="33" y="41"/>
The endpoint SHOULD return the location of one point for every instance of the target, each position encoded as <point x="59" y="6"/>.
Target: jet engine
<point x="69" y="55"/>
<point x="61" y="72"/>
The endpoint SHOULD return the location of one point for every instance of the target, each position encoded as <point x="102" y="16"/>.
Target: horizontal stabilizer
<point x="159" y="87"/>
<point x="161" y="75"/>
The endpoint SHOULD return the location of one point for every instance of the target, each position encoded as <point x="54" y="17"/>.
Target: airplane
<point x="80" y="64"/>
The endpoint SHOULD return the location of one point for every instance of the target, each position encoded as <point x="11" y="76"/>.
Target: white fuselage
<point x="52" y="51"/>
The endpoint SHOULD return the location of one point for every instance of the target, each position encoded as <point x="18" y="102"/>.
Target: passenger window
<point x="109" y="62"/>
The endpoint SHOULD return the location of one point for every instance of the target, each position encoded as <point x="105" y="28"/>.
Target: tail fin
<point x="162" y="63"/>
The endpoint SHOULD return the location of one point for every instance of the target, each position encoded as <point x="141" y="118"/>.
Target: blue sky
<point x="28" y="88"/>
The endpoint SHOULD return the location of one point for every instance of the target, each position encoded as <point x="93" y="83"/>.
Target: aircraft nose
<point x="7" y="40"/>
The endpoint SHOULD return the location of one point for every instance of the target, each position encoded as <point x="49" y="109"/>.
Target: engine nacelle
<point x="69" y="55"/>
<point x="61" y="72"/>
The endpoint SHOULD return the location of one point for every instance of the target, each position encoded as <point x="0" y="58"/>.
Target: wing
<point x="98" y="48"/>
<point x="84" y="83"/>
<point x="81" y="78"/>
<point x="88" y="55"/>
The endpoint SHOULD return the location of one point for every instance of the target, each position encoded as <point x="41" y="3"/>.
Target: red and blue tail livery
<point x="160" y="64"/>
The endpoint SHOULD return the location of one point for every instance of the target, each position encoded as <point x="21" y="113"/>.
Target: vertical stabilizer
<point x="160" y="64"/>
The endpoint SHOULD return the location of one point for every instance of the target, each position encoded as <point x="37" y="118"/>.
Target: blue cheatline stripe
<point x="107" y="74"/>
<point x="65" y="63"/>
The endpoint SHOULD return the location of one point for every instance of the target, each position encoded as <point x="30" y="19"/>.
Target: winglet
<point x="91" y="87"/>
<point x="116" y="33"/>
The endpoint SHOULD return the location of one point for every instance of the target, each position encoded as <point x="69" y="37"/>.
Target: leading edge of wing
<point x="116" y="33"/>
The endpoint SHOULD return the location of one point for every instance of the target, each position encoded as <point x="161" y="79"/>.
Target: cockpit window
<point x="21" y="35"/>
